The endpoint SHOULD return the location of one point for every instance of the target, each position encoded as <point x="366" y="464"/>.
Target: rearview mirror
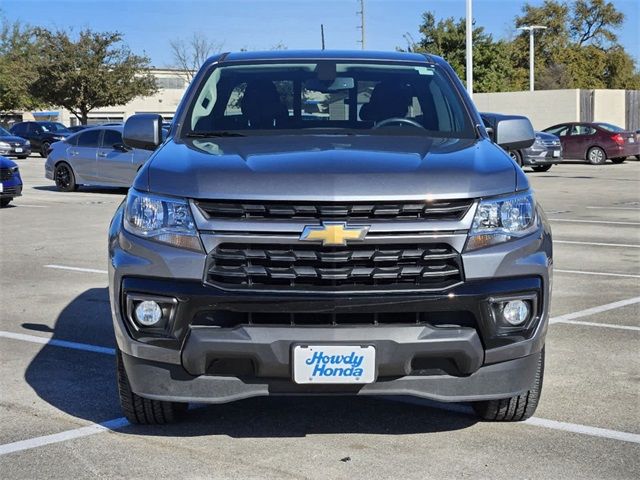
<point x="513" y="132"/>
<point x="143" y="130"/>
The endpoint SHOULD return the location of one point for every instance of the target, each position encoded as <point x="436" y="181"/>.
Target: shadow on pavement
<point x="82" y="384"/>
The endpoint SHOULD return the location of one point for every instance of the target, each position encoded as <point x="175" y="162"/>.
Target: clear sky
<point x="149" y="25"/>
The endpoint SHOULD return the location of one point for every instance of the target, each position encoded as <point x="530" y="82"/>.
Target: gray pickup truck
<point x="322" y="223"/>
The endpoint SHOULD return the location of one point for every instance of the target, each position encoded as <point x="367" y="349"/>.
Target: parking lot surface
<point x="61" y="419"/>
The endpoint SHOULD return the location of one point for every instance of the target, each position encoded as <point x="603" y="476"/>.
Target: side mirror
<point x="121" y="147"/>
<point x="513" y="132"/>
<point x="143" y="130"/>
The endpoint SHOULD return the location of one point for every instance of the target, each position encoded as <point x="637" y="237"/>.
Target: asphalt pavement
<point x="61" y="419"/>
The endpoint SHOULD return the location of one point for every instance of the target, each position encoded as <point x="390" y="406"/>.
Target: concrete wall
<point x="549" y="107"/>
<point x="543" y="107"/>
<point x="609" y="106"/>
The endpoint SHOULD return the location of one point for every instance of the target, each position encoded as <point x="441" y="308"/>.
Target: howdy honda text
<point x="320" y="362"/>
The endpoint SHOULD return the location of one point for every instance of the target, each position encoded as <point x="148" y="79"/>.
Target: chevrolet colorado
<point x="331" y="222"/>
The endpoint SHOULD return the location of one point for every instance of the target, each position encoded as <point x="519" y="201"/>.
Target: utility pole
<point x="531" y="29"/>
<point x="361" y="27"/>
<point x="469" y="47"/>
<point x="322" y="35"/>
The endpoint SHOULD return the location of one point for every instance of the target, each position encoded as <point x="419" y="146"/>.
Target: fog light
<point x="148" y="313"/>
<point x="515" y="312"/>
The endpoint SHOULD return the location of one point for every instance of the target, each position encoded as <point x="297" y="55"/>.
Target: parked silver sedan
<point x="94" y="156"/>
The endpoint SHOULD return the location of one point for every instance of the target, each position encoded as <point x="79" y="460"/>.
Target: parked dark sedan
<point x="10" y="181"/>
<point x="596" y="142"/>
<point x="41" y="134"/>
<point x="13" y="146"/>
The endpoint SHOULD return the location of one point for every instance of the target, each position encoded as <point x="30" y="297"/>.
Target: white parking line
<point x="604" y="325"/>
<point x="58" y="343"/>
<point x="592" y="311"/>
<point x="76" y="269"/>
<point x="31" y="206"/>
<point x="604" y="274"/>
<point x="63" y="436"/>
<point x="597" y="244"/>
<point x="637" y="209"/>
<point x="584" y="429"/>
<point x="604" y="222"/>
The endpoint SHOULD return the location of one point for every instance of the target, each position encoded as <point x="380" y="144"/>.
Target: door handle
<point x="102" y="154"/>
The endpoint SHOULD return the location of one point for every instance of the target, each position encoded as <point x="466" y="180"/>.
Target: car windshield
<point x="610" y="127"/>
<point x="3" y="132"/>
<point x="329" y="97"/>
<point x="54" y="127"/>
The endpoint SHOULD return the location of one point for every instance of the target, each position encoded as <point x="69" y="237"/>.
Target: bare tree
<point x="189" y="54"/>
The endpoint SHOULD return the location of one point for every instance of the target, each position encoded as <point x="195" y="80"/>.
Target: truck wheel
<point x="541" y="168"/>
<point x="141" y="410"/>
<point x="64" y="178"/>
<point x="596" y="156"/>
<point x="618" y="160"/>
<point x="516" y="408"/>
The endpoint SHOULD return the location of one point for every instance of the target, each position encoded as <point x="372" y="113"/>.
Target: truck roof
<point x="324" y="54"/>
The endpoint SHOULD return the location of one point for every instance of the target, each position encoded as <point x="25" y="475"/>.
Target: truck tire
<point x="514" y="409"/>
<point x="144" y="411"/>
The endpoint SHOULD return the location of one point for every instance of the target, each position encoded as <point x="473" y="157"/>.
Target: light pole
<point x="531" y="29"/>
<point x="469" y="47"/>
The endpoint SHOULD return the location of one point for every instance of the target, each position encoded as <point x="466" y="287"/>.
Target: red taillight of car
<point x="618" y="139"/>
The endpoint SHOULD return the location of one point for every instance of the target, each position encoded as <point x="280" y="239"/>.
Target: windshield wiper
<point x="220" y="133"/>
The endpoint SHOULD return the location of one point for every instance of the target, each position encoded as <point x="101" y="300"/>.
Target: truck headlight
<point x="502" y="219"/>
<point x="161" y="219"/>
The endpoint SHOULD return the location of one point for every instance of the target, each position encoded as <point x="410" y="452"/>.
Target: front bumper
<point x="12" y="151"/>
<point x="10" y="189"/>
<point x="446" y="359"/>
<point x="548" y="156"/>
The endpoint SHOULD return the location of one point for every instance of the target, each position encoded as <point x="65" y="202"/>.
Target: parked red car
<point x="595" y="142"/>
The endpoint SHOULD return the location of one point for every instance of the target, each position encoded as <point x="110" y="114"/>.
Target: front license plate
<point x="334" y="364"/>
<point x="556" y="153"/>
<point x="18" y="150"/>
<point x="632" y="140"/>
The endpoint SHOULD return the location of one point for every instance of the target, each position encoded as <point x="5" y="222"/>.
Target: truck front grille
<point x="314" y="267"/>
<point x="241" y="210"/>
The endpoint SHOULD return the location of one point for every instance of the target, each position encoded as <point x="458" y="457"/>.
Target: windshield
<point x="611" y="128"/>
<point x="3" y="132"/>
<point x="54" y="127"/>
<point x="328" y="97"/>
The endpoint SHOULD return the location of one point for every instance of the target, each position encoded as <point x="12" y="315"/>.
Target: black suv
<point x="41" y="134"/>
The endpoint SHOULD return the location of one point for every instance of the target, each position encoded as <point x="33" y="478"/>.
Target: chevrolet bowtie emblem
<point x="333" y="233"/>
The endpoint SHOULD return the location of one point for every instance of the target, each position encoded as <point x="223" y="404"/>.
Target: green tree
<point x="491" y="66"/>
<point x="95" y="70"/>
<point x="18" y="56"/>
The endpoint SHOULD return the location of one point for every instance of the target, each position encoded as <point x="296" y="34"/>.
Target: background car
<point x="596" y="142"/>
<point x="13" y="146"/>
<point x="95" y="156"/>
<point x="10" y="181"/>
<point x="41" y="134"/>
<point x="77" y="128"/>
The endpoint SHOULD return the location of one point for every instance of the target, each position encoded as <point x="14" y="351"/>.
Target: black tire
<point x="144" y="411"/>
<point x="44" y="148"/>
<point x="64" y="177"/>
<point x="618" y="160"/>
<point x="541" y="168"/>
<point x="637" y="157"/>
<point x="514" y="409"/>
<point x="516" y="156"/>
<point x="22" y="157"/>
<point x="5" y="201"/>
<point x="596" y="156"/>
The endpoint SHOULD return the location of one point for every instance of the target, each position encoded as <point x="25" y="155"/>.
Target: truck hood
<point x="330" y="167"/>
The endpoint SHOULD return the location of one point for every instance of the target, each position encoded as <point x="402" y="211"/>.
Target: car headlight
<point x="161" y="219"/>
<point x="4" y="145"/>
<point x="502" y="219"/>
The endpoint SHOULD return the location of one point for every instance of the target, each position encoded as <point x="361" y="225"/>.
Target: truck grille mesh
<point x="432" y="210"/>
<point x="314" y="267"/>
